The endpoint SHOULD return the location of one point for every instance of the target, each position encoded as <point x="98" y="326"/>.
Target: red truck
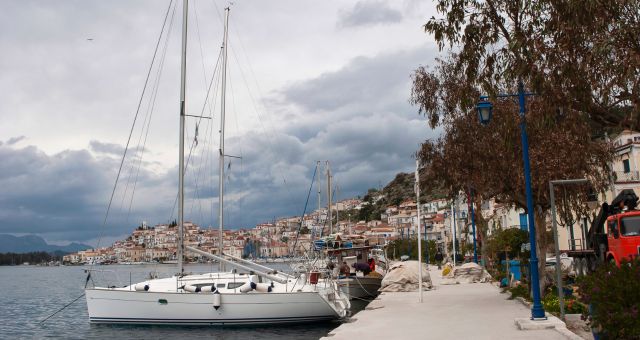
<point x="613" y="236"/>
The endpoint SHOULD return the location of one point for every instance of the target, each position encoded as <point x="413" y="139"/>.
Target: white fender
<point x="142" y="286"/>
<point x="217" y="300"/>
<point x="207" y="289"/>
<point x="247" y="287"/>
<point x="192" y="289"/>
<point x="263" y="288"/>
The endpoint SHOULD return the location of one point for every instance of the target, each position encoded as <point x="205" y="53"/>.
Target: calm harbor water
<point x="30" y="293"/>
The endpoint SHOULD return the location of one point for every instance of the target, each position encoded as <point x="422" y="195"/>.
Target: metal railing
<point x="576" y="244"/>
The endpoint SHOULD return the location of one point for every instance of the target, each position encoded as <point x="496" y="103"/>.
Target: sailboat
<point x="249" y="294"/>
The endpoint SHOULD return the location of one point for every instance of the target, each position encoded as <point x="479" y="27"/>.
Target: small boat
<point x="356" y="285"/>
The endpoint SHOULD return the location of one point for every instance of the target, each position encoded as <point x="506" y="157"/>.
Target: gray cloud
<point x="369" y="12"/>
<point x="15" y="140"/>
<point x="365" y="83"/>
<point x="358" y="117"/>
<point x="107" y="148"/>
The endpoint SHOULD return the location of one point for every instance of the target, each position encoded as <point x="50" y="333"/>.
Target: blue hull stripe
<point x="209" y="321"/>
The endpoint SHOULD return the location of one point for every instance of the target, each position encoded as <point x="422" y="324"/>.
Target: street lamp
<point x="484" y="108"/>
<point x="485" y="111"/>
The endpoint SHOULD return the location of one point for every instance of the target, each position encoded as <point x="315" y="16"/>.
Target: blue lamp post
<point x="485" y="109"/>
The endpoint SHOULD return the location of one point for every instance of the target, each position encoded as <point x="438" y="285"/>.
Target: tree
<point x="432" y="249"/>
<point x="507" y="240"/>
<point x="489" y="159"/>
<point x="584" y="55"/>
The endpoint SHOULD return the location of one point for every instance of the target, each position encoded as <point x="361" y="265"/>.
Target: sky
<point x="308" y="81"/>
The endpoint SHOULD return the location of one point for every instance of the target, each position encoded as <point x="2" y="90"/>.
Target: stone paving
<point x="462" y="311"/>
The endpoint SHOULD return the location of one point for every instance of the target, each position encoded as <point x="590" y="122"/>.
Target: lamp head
<point x="485" y="110"/>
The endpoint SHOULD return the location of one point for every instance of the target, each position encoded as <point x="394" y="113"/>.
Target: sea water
<point x="28" y="294"/>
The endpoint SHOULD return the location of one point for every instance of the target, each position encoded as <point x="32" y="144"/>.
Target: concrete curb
<point x="551" y="323"/>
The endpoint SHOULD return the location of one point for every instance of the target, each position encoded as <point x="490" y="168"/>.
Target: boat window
<point x="234" y="285"/>
<point x="200" y="285"/>
<point x="630" y="226"/>
<point x="221" y="285"/>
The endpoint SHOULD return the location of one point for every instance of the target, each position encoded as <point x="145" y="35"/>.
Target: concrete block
<point x="528" y="324"/>
<point x="551" y="322"/>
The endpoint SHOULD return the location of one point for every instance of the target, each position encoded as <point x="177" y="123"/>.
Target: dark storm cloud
<point x="44" y="193"/>
<point x="367" y="12"/>
<point x="62" y="196"/>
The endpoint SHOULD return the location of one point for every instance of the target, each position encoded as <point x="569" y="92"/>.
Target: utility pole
<point x="417" y="187"/>
<point x="453" y="231"/>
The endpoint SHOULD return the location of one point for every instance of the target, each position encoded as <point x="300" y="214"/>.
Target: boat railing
<point x="98" y="275"/>
<point x="113" y="278"/>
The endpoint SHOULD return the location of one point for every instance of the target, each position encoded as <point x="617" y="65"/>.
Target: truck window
<point x="630" y="226"/>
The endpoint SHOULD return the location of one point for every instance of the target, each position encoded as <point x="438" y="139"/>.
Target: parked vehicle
<point x="614" y="235"/>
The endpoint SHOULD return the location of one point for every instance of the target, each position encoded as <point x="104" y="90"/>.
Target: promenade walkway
<point x="463" y="311"/>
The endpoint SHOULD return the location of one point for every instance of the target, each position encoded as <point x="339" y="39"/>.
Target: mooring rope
<point x="61" y="309"/>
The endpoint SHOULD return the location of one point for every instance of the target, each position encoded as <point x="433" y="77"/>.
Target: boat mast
<point x="337" y="210"/>
<point x="329" y="198"/>
<point x="319" y="190"/>
<point x="221" y="157"/>
<point x="183" y="71"/>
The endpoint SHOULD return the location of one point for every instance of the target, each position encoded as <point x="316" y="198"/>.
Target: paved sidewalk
<point x="463" y="311"/>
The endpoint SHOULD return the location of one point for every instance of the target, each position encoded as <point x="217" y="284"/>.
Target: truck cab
<point x="623" y="236"/>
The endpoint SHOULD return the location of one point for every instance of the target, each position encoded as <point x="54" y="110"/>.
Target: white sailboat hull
<point x="140" y="307"/>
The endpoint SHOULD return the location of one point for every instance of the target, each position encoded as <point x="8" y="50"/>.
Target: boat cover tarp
<point x="403" y="277"/>
<point x="467" y="273"/>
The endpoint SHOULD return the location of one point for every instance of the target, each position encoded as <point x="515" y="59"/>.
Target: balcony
<point x="631" y="176"/>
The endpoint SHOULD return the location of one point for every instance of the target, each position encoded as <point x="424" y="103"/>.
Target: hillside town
<point x="292" y="236"/>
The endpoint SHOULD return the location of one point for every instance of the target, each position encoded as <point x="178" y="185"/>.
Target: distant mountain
<point x="31" y="243"/>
